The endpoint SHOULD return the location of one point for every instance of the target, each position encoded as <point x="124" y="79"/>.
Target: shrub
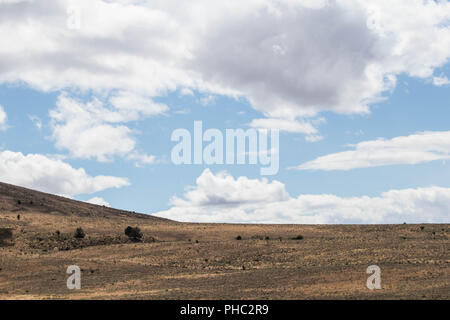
<point x="134" y="234"/>
<point x="5" y="234"/>
<point x="79" y="233"/>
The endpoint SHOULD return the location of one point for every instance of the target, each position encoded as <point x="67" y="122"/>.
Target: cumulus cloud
<point x="440" y="81"/>
<point x="223" y="190"/>
<point x="52" y="175"/>
<point x="222" y="198"/>
<point x="290" y="59"/>
<point x="3" y="118"/>
<point x="130" y="106"/>
<point x="83" y="129"/>
<point x="98" y="201"/>
<point x="307" y="127"/>
<point x="413" y="149"/>
<point x="96" y="130"/>
<point x="141" y="159"/>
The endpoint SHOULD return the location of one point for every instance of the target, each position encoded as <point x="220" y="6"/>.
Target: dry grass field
<point x="207" y="261"/>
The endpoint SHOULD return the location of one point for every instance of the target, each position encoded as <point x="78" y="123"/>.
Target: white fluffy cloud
<point x="51" y="175"/>
<point x="223" y="190"/>
<point x="96" y="130"/>
<point x="293" y="126"/>
<point x="3" y="118"/>
<point x="98" y="201"/>
<point x="131" y="107"/>
<point x="289" y="58"/>
<point x="412" y="149"/>
<point x="141" y="159"/>
<point x="221" y="198"/>
<point x="441" y="81"/>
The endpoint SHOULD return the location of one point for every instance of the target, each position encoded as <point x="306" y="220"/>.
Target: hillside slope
<point x="208" y="261"/>
<point x="21" y="200"/>
<point x="33" y="221"/>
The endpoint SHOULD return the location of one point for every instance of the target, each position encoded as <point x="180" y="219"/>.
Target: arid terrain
<point x="208" y="261"/>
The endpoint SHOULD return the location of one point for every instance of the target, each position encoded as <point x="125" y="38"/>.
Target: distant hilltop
<point x="18" y="199"/>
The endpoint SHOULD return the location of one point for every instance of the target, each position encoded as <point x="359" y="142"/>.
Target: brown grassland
<point x="206" y="261"/>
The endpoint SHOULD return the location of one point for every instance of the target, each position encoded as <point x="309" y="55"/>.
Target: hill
<point x="208" y="261"/>
<point x="19" y="199"/>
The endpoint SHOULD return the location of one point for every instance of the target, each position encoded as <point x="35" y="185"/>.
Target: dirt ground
<point x="207" y="261"/>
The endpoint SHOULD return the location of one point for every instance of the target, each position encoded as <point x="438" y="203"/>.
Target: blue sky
<point x="89" y="109"/>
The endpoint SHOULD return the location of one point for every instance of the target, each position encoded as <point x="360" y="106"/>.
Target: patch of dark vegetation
<point x="238" y="238"/>
<point x="65" y="241"/>
<point x="260" y="237"/>
<point x="134" y="234"/>
<point x="422" y="227"/>
<point x="79" y="233"/>
<point x="6" y="234"/>
<point x="299" y="237"/>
